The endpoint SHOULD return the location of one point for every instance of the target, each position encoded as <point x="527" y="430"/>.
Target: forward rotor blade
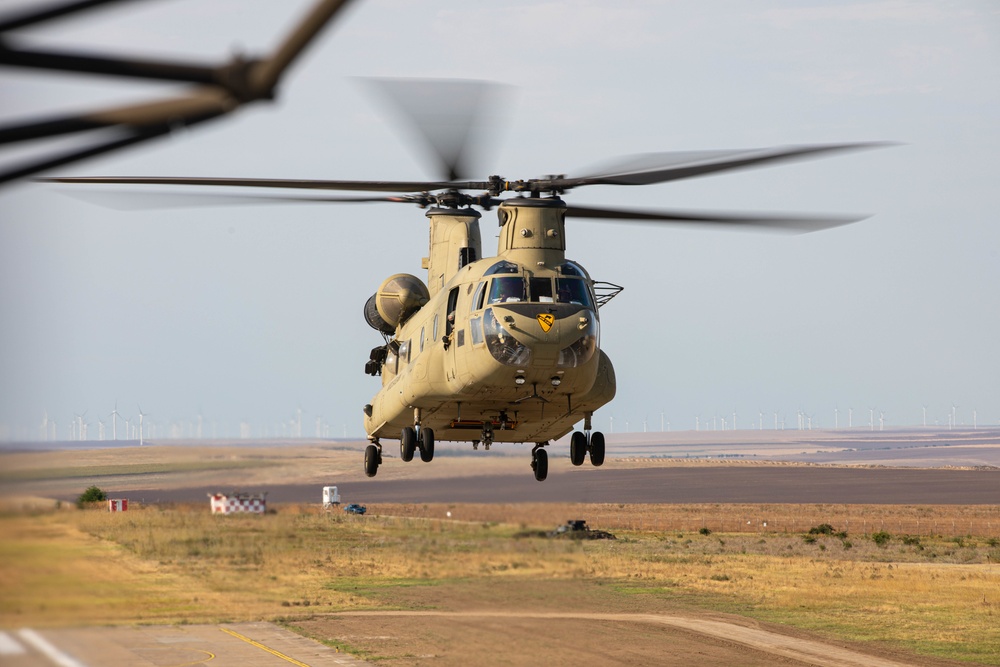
<point x="139" y="201"/>
<point x="661" y="167"/>
<point x="760" y="221"/>
<point x="369" y="186"/>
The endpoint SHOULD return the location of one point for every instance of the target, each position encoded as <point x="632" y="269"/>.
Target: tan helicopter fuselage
<point x="509" y="342"/>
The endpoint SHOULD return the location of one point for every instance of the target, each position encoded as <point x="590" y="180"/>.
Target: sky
<point x="248" y="319"/>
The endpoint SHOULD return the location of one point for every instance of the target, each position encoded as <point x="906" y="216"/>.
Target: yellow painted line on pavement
<point x="211" y="656"/>
<point x="264" y="648"/>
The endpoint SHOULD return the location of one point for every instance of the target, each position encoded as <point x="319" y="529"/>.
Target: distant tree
<point x="92" y="495"/>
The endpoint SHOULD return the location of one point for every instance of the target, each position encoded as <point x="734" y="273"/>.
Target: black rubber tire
<point x="541" y="465"/>
<point x="597" y="448"/>
<point x="577" y="448"/>
<point x="407" y="444"/>
<point x="371" y="460"/>
<point x="425" y="441"/>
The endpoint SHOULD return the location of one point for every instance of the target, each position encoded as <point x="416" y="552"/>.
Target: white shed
<point x="330" y="496"/>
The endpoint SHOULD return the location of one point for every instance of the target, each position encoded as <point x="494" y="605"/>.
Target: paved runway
<point x="235" y="644"/>
<point x="709" y="484"/>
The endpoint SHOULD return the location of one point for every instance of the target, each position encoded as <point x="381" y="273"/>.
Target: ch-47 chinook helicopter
<point x="504" y="349"/>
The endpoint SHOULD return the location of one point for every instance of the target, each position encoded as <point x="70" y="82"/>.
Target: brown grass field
<point x="928" y="594"/>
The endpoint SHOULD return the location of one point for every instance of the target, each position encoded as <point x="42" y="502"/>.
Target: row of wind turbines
<point x="804" y="421"/>
<point x="141" y="429"/>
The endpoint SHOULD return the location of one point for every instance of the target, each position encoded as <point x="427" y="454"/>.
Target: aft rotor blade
<point x="762" y="221"/>
<point x="139" y="201"/>
<point x="369" y="186"/>
<point x="452" y="117"/>
<point x="661" y="167"/>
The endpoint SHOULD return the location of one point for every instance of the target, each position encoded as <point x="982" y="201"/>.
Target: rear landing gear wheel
<point x="407" y="444"/>
<point x="425" y="441"/>
<point x="540" y="463"/>
<point x="597" y="448"/>
<point x="577" y="448"/>
<point x="372" y="459"/>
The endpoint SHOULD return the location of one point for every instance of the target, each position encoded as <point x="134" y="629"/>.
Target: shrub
<point x="827" y="529"/>
<point x="92" y="495"/>
<point x="705" y="531"/>
<point x="881" y="538"/>
<point x="911" y="540"/>
<point x="808" y="539"/>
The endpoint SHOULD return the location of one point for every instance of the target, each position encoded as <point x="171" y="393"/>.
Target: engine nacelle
<point x="397" y="298"/>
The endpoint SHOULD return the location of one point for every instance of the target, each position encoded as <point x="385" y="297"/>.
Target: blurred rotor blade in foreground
<point x="221" y="88"/>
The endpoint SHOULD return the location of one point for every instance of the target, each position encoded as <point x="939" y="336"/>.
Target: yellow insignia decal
<point x="546" y="320"/>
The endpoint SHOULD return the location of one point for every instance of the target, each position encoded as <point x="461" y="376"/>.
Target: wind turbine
<point x="925" y="416"/>
<point x="141" y="415"/>
<point x="836" y="418"/>
<point x="881" y="420"/>
<point x="114" y="421"/>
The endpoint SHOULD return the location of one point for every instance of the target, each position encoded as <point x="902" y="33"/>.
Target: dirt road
<point x="579" y="639"/>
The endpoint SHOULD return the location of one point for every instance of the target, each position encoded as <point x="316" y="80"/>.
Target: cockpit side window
<point x="479" y="297"/>
<point x="507" y="290"/>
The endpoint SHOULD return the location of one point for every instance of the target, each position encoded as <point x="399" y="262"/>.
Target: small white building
<point x="237" y="503"/>
<point x="330" y="496"/>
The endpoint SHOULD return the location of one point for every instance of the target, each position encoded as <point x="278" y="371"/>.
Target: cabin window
<point x="573" y="290"/>
<point x="541" y="290"/>
<point x="476" y="329"/>
<point x="434" y="331"/>
<point x="421" y="339"/>
<point x="571" y="269"/>
<point x="404" y="352"/>
<point x="507" y="290"/>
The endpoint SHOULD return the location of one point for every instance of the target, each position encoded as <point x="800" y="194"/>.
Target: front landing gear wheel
<point x="425" y="441"/>
<point x="597" y="448"/>
<point x="372" y="459"/>
<point x="540" y="463"/>
<point x="577" y="448"/>
<point x="407" y="444"/>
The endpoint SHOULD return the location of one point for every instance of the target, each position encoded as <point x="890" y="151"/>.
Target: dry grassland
<point x="931" y="595"/>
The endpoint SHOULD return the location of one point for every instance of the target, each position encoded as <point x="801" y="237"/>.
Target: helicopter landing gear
<point x="593" y="444"/>
<point x="540" y="461"/>
<point x="578" y="448"/>
<point x="407" y="444"/>
<point x="596" y="448"/>
<point x="425" y="441"/>
<point x="373" y="458"/>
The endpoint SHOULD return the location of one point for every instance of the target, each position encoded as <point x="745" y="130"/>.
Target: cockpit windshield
<point x="508" y="290"/>
<point x="511" y="289"/>
<point x="573" y="290"/>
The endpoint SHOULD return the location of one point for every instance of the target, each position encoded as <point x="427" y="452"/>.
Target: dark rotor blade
<point x="370" y="186"/>
<point x="769" y="221"/>
<point x="138" y="201"/>
<point x="49" y="13"/>
<point x="95" y="64"/>
<point x="448" y="115"/>
<point x="661" y="167"/>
